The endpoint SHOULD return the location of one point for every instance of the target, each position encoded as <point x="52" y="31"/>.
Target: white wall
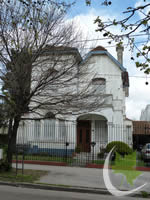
<point x="32" y="134"/>
<point x="101" y="66"/>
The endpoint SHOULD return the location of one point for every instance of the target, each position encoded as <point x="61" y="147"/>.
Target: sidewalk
<point x="86" y="177"/>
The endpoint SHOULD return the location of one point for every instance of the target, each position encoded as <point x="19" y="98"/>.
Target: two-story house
<point x="84" y="129"/>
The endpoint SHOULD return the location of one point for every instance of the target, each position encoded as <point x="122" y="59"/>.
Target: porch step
<point x="83" y="156"/>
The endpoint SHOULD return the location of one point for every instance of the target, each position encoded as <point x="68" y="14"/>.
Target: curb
<point x="101" y="191"/>
<point x="58" y="188"/>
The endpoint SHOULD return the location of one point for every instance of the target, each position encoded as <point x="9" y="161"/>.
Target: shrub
<point x="144" y="194"/>
<point x="100" y="155"/>
<point x="120" y="147"/>
<point x="3" y="139"/>
<point x="4" y="166"/>
<point x="78" y="149"/>
<point x="5" y="149"/>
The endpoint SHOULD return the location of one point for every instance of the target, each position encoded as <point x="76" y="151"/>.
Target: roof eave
<point x="105" y="53"/>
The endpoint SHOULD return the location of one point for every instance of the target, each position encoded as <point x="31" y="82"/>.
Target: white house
<point x="107" y="123"/>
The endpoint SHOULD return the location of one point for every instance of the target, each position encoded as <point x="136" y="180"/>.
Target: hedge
<point x="120" y="147"/>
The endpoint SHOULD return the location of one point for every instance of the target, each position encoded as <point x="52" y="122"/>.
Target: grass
<point x="29" y="176"/>
<point x="99" y="162"/>
<point x="44" y="158"/>
<point x="144" y="194"/>
<point x="140" y="163"/>
<point x="69" y="160"/>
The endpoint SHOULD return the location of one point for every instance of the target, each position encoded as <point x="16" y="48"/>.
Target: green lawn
<point x="43" y="158"/>
<point x="139" y="163"/>
<point x="98" y="162"/>
<point x="29" y="176"/>
<point x="68" y="160"/>
<point x="101" y="162"/>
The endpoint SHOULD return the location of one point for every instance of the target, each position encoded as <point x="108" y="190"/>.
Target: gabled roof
<point x="99" y="50"/>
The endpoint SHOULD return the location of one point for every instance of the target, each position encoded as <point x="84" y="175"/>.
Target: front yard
<point x="43" y="158"/>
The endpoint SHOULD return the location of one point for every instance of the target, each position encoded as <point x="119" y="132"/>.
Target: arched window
<point x="37" y="129"/>
<point x="49" y="115"/>
<point x="49" y="129"/>
<point x="99" y="85"/>
<point x="49" y="126"/>
<point x="62" y="131"/>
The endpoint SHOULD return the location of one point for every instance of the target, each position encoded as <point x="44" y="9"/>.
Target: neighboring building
<point x="145" y="114"/>
<point x="106" y="124"/>
<point x="141" y="133"/>
<point x="141" y="129"/>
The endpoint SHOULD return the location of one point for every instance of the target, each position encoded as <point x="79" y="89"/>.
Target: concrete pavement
<point x="86" y="177"/>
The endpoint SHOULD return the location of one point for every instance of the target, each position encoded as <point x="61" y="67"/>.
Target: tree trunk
<point x="12" y="135"/>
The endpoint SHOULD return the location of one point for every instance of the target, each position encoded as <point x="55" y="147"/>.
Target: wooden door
<point x="84" y="136"/>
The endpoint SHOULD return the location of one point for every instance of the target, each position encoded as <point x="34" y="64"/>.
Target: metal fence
<point x="68" y="143"/>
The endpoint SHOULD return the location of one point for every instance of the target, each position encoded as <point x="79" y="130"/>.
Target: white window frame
<point x="49" y="129"/>
<point x="62" y="130"/>
<point x="99" y="85"/>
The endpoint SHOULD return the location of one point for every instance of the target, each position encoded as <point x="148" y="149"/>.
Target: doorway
<point x="84" y="135"/>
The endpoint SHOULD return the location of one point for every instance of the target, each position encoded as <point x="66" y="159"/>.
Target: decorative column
<point x="110" y="131"/>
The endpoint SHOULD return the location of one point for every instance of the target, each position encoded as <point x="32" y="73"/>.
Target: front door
<point x="84" y="136"/>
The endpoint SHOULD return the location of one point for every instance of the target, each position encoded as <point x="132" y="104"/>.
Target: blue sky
<point x="139" y="93"/>
<point x="117" y="5"/>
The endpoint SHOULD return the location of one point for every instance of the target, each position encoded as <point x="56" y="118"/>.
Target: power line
<point x="91" y="40"/>
<point x="110" y="46"/>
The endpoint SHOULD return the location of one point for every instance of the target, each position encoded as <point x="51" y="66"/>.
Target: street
<point x="17" y="193"/>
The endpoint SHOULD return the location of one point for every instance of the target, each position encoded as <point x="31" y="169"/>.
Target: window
<point x="62" y="132"/>
<point x="99" y="85"/>
<point x="37" y="129"/>
<point x="101" y="134"/>
<point x="49" y="129"/>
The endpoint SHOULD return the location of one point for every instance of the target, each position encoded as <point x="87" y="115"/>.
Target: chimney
<point x="120" y="49"/>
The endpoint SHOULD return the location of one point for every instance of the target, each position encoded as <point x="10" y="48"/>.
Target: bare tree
<point x="41" y="70"/>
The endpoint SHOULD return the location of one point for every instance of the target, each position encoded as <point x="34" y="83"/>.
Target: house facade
<point x="93" y="130"/>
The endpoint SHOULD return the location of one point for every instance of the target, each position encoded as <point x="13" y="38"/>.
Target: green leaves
<point x="126" y="166"/>
<point x="115" y="22"/>
<point x="144" y="22"/>
<point x="88" y="2"/>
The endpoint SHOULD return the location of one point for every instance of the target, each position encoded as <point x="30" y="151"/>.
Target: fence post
<point x="93" y="145"/>
<point x="16" y="160"/>
<point x="23" y="161"/>
<point x="67" y="144"/>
